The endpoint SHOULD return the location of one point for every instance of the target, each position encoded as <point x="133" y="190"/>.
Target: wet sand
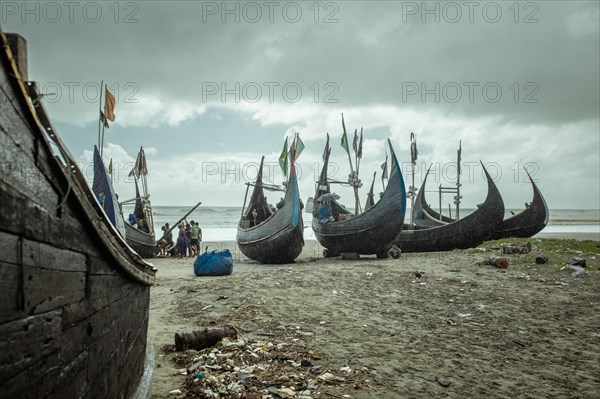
<point x="530" y="331"/>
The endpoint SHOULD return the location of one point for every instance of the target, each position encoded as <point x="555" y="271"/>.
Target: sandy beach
<point x="529" y="331"/>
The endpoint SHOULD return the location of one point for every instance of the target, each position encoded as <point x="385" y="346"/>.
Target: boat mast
<point x="458" y="197"/>
<point x="100" y="118"/>
<point x="353" y="177"/>
<point x="412" y="190"/>
<point x="454" y="190"/>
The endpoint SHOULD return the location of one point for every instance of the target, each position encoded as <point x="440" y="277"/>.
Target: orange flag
<point x="109" y="105"/>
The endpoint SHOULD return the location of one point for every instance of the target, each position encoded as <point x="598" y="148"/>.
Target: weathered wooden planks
<point x="73" y="300"/>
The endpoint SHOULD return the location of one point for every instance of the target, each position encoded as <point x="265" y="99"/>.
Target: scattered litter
<point x="425" y="376"/>
<point x="475" y="324"/>
<point x="175" y="392"/>
<point x="578" y="270"/>
<point x="540" y="260"/>
<point x="206" y="307"/>
<point x="578" y="262"/>
<point x="443" y="381"/>
<point x="518" y="248"/>
<point x="464" y="314"/>
<point x="258" y="368"/>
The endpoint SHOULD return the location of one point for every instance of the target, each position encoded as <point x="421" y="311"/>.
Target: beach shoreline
<point x="489" y="332"/>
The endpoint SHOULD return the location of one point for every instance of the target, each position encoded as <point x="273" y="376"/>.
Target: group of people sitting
<point x="188" y="240"/>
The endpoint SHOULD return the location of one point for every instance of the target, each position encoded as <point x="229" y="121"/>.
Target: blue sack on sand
<point x="216" y="263"/>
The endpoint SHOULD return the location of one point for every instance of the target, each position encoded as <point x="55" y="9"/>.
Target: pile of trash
<point x="261" y="369"/>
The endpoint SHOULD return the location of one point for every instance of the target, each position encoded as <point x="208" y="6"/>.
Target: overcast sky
<point x="209" y="87"/>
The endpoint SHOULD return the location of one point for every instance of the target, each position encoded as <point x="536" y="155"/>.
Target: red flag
<point x="109" y="105"/>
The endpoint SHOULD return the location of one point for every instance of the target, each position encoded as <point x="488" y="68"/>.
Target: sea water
<point x="219" y="223"/>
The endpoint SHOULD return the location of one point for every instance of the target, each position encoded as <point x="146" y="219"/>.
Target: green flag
<point x="345" y="143"/>
<point x="345" y="137"/>
<point x="283" y="158"/>
<point x="299" y="146"/>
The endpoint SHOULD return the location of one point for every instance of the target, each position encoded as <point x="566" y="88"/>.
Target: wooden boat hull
<point x="74" y="299"/>
<point x="283" y="246"/>
<point x="372" y="231"/>
<point x="142" y="243"/>
<point x="525" y="224"/>
<point x="467" y="232"/>
<point x="279" y="238"/>
<point x="529" y="221"/>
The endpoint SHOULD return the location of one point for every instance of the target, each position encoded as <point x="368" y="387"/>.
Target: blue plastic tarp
<point x="216" y="263"/>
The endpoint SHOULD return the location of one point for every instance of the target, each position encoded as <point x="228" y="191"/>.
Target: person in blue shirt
<point x="324" y="213"/>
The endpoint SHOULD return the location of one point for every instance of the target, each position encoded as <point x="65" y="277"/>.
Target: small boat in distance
<point x="272" y="235"/>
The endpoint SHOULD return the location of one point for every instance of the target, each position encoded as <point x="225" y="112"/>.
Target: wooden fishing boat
<point x="74" y="299"/>
<point x="526" y="223"/>
<point x="143" y="242"/>
<point x="267" y="235"/>
<point x="467" y="232"/>
<point x="529" y="221"/>
<point x="369" y="232"/>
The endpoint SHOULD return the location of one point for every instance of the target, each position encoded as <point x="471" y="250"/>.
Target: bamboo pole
<point x="180" y="220"/>
<point x="100" y="119"/>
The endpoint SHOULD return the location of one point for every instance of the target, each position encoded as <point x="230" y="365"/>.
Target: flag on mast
<point x="360" y="144"/>
<point x="299" y="146"/>
<point x="345" y="137"/>
<point x="284" y="157"/>
<point x="413" y="149"/>
<point x="109" y="105"/>
<point x="384" y="174"/>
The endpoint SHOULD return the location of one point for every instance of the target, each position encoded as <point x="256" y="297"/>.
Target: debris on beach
<point x="578" y="270"/>
<point x="541" y="259"/>
<point x="204" y="338"/>
<point x="261" y="369"/>
<point x="350" y="256"/>
<point x="499" y="262"/>
<point x="517" y="248"/>
<point x="577" y="261"/>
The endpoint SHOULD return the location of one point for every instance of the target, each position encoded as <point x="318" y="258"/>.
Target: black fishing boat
<point x="524" y="224"/>
<point x="272" y="235"/>
<point x="74" y="299"/>
<point x="529" y="221"/>
<point x="369" y="232"/>
<point x="467" y="232"/>
<point x="141" y="236"/>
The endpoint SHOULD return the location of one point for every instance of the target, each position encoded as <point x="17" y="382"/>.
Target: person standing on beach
<point x="182" y="242"/>
<point x="194" y="243"/>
